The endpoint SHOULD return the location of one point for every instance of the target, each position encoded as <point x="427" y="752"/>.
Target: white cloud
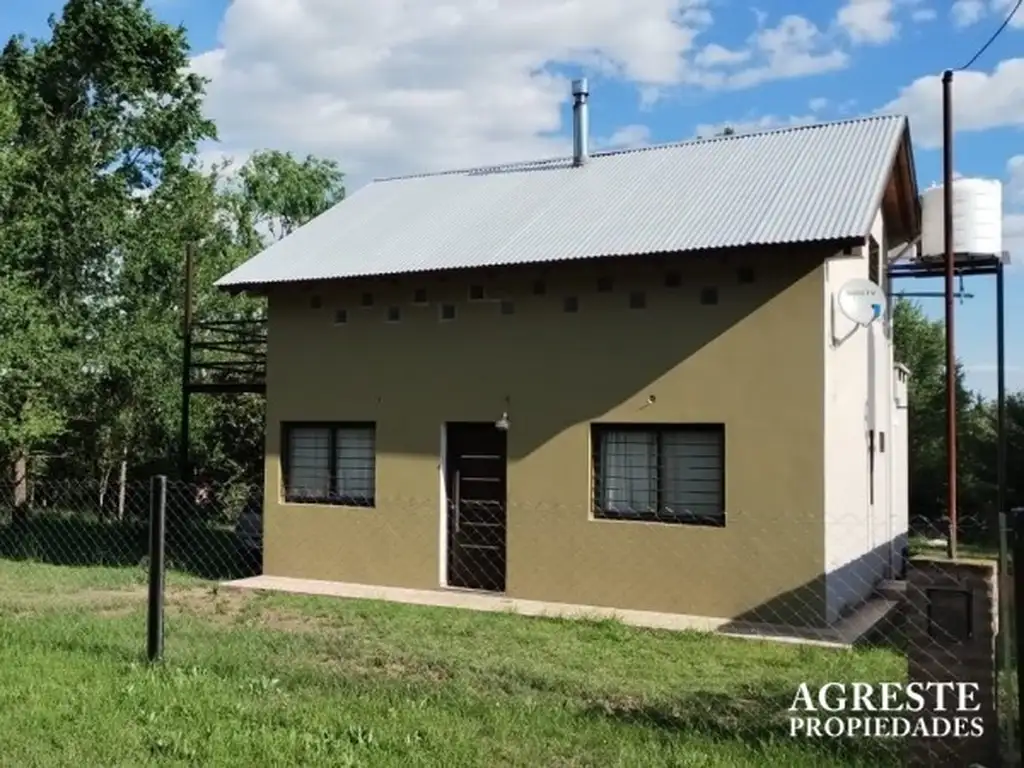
<point x="818" y="104"/>
<point x="650" y="95"/>
<point x="1003" y="7"/>
<point x="714" y="55"/>
<point x="391" y="86"/>
<point x="981" y="101"/>
<point x="754" y="124"/>
<point x="846" y="107"/>
<point x="1013" y="237"/>
<point x="627" y="137"/>
<point x="795" y="47"/>
<point x="965" y="13"/>
<point x="1013" y="201"/>
<point x="221" y="159"/>
<point x="868" y="22"/>
<point x="1015" y="183"/>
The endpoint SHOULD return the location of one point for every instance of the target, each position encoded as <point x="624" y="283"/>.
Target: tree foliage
<point x="275" y="194"/>
<point x="101" y="192"/>
<point x="920" y="345"/>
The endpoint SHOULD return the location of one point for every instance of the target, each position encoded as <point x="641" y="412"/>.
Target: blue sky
<point x="386" y="89"/>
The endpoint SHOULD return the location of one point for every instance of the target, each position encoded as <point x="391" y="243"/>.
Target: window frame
<point x="333" y="498"/>
<point x="599" y="430"/>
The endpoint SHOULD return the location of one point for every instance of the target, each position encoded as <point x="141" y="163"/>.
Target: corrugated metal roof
<point x="817" y="182"/>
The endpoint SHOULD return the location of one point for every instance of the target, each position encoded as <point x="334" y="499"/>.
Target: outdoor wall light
<point x="503" y="422"/>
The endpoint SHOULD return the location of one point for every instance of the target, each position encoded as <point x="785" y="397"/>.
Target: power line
<point x="995" y="34"/>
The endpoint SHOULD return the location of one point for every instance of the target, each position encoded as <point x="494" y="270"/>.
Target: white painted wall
<point x="880" y="424"/>
<point x="900" y="468"/>
<point x="858" y="401"/>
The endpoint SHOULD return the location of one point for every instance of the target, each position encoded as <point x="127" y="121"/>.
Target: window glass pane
<point x="691" y="472"/>
<point x="309" y="463"/>
<point x="355" y="463"/>
<point x="628" y="481"/>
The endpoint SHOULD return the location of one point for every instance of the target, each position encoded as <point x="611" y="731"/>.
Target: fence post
<point x="157" y="521"/>
<point x="1006" y="620"/>
<point x="1018" y="602"/>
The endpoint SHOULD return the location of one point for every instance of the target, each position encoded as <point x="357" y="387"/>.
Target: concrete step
<point x="891" y="589"/>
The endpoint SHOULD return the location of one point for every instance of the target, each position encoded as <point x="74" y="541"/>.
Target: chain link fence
<point x="212" y="532"/>
<point x="76" y="555"/>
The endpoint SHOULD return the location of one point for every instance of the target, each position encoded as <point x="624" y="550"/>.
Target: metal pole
<point x="1018" y="600"/>
<point x="155" y="616"/>
<point x="1006" y="617"/>
<point x="950" y="290"/>
<point x="1005" y="612"/>
<point x="1000" y="391"/>
<point x="186" y="368"/>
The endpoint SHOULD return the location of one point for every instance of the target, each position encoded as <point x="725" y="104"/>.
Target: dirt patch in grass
<point x="330" y="645"/>
<point x="224" y="608"/>
<point x="290" y="622"/>
<point x="390" y="668"/>
<point x="206" y="602"/>
<point x="234" y="607"/>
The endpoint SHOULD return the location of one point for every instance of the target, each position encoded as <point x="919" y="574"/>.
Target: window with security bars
<point x="673" y="474"/>
<point x="330" y="464"/>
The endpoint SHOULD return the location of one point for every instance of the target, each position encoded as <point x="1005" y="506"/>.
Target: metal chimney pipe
<point x="580" y="122"/>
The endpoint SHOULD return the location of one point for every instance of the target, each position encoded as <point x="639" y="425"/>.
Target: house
<point x="613" y="380"/>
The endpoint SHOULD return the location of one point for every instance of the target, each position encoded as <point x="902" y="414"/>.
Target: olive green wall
<point x="754" y="361"/>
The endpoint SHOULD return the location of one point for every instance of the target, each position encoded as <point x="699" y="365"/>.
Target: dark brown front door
<point x="476" y="472"/>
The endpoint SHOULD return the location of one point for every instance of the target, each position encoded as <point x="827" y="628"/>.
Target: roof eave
<point x="238" y="289"/>
<point x="912" y="194"/>
<point x="263" y="287"/>
<point x="899" y="166"/>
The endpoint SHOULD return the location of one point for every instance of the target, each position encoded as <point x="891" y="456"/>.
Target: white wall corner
<point x="900" y="380"/>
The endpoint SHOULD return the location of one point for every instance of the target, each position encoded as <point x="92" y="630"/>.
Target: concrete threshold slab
<point x="841" y="635"/>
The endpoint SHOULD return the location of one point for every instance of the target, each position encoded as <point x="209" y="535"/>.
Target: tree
<point x="107" y="112"/>
<point x="35" y="365"/>
<point x="274" y="194"/>
<point x="100" y="193"/>
<point x="269" y="197"/>
<point x="920" y="345"/>
<point x="1015" y="450"/>
<point x="10" y="159"/>
<point x="228" y="218"/>
<point x="34" y="362"/>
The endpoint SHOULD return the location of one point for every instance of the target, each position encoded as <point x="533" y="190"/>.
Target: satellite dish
<point x="861" y="300"/>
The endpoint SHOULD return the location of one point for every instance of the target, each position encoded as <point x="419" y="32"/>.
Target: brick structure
<point x="952" y="624"/>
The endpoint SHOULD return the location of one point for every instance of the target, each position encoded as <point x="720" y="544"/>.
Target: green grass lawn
<point x="253" y="680"/>
<point x="919" y="545"/>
